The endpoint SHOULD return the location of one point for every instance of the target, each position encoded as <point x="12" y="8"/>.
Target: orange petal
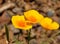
<point x="20" y="22"/>
<point x="54" y="26"/>
<point x="33" y="16"/>
<point x="45" y="23"/>
<point x="16" y="19"/>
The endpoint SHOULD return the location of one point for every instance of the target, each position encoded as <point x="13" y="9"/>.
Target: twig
<point x="6" y="6"/>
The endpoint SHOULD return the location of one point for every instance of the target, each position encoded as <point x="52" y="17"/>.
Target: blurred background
<point x="39" y="35"/>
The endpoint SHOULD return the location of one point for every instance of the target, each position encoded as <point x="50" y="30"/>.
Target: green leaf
<point x="29" y="32"/>
<point x="17" y="42"/>
<point x="7" y="32"/>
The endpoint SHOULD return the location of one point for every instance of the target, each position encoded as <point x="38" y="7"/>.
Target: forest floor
<point x="39" y="35"/>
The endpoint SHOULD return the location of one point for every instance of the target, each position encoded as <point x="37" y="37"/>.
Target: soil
<point x="39" y="35"/>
